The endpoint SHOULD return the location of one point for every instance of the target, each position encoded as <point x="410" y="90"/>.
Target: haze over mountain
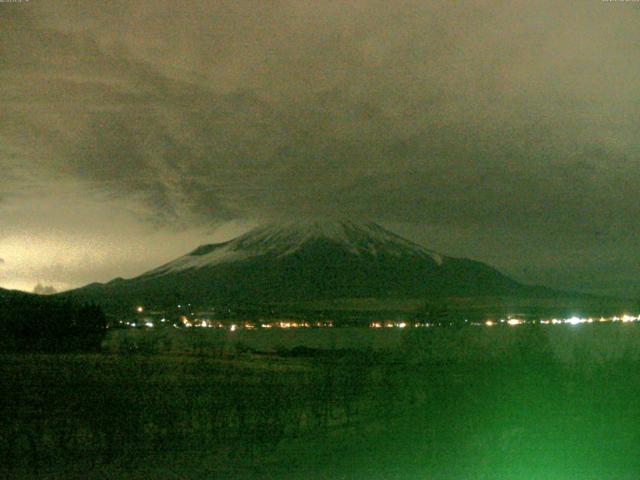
<point x="303" y="261"/>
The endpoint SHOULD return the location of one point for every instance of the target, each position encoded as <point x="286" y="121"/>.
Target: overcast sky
<point x="503" y="131"/>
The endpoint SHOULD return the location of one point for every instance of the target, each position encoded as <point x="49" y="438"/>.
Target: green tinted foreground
<point x="345" y="413"/>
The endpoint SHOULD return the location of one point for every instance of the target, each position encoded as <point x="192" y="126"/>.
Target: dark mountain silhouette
<point x="308" y="261"/>
<point x="10" y="294"/>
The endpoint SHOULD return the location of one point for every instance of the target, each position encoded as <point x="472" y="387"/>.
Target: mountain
<point x="12" y="294"/>
<point x="306" y="261"/>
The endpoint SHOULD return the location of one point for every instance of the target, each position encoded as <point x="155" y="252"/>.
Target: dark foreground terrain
<point x="518" y="411"/>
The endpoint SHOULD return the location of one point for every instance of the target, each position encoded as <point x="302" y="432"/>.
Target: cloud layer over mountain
<point x="503" y="131"/>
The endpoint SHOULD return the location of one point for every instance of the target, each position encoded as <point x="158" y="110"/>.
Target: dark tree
<point x="36" y="324"/>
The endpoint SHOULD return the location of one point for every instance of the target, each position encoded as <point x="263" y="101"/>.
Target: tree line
<point x="36" y="324"/>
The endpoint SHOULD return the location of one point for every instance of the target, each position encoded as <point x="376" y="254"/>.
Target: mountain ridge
<point x="304" y="261"/>
<point x="282" y="239"/>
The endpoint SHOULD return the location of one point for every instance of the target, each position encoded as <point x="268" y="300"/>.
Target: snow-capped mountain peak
<point x="304" y="261"/>
<point x="287" y="238"/>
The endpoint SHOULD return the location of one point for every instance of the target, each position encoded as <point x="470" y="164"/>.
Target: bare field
<point x="528" y="403"/>
<point x="564" y="343"/>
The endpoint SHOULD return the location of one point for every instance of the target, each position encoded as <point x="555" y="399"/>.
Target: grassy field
<point x="555" y="402"/>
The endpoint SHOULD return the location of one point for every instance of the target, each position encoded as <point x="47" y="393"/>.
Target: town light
<point x="573" y="321"/>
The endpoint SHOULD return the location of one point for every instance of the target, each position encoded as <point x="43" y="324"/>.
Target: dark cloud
<point x="464" y="123"/>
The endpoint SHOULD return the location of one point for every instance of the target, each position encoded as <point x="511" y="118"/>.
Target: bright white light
<point x="489" y="323"/>
<point x="402" y="325"/>
<point x="233" y="328"/>
<point x="148" y="325"/>
<point x="140" y="309"/>
<point x="514" y="321"/>
<point x="574" y="321"/>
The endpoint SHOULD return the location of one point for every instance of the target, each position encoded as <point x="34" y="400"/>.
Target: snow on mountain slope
<point x="303" y="261"/>
<point x="280" y="240"/>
